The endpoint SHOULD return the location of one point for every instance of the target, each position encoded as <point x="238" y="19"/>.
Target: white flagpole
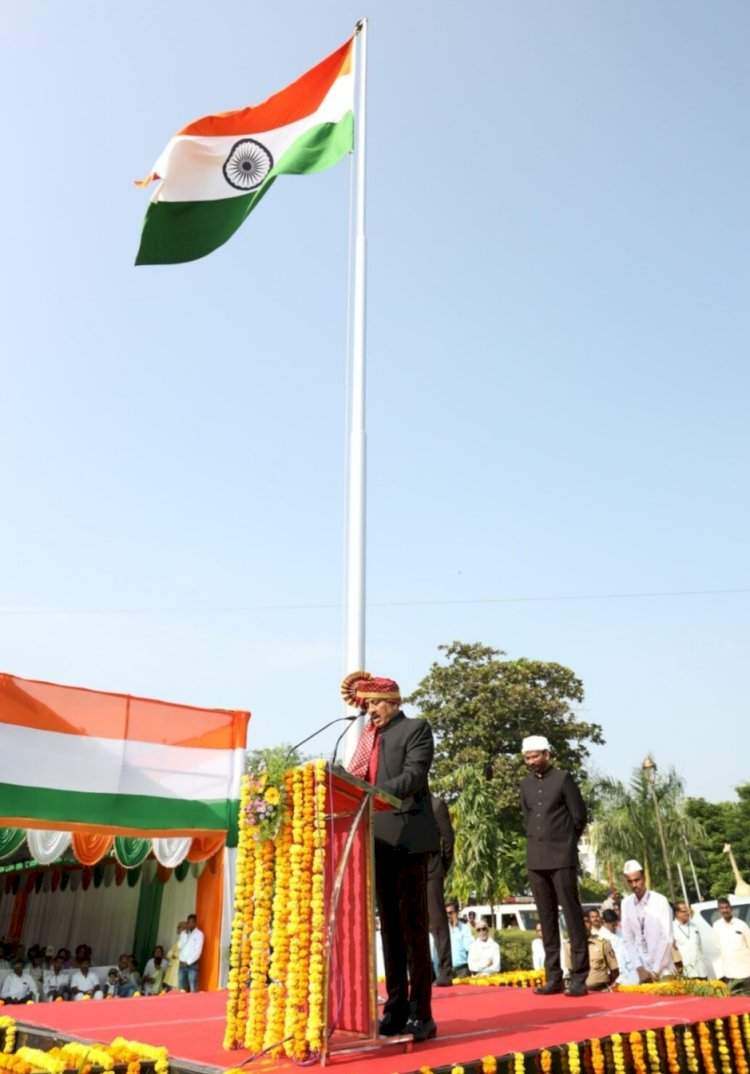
<point x="356" y="500"/>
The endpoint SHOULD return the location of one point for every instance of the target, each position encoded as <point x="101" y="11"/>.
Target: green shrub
<point x="515" y="949"/>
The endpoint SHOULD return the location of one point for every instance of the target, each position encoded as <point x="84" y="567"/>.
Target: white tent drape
<point x="102" y="917"/>
<point x="47" y="847"/>
<point x="171" y="851"/>
<point x="177" y="902"/>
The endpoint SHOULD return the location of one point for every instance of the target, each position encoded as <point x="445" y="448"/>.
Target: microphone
<point x="338" y="740"/>
<point x="339" y="719"/>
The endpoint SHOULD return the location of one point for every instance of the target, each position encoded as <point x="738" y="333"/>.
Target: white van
<point x="507" y="915"/>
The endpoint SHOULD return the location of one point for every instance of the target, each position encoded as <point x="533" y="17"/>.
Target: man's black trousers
<point x="401" y="888"/>
<point x="550" y="888"/>
<point x="439" y="919"/>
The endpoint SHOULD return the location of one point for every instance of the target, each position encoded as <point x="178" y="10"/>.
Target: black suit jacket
<point x="404" y="760"/>
<point x="442" y="859"/>
<point x="555" y="815"/>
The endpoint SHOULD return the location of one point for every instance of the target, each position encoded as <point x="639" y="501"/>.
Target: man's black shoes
<point x="419" y="1030"/>
<point x="443" y="982"/>
<point x="550" y="989"/>
<point x="576" y="989"/>
<point x="392" y="1027"/>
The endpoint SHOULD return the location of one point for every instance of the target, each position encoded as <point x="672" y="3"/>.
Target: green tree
<point x="480" y="707"/>
<point x="273" y="758"/>
<point x="722" y="822"/>
<point x="626" y="826"/>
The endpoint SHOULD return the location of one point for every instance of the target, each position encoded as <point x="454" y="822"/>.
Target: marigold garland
<point x="8" y="1025"/>
<point x="511" y="979"/>
<point x="598" y="1061"/>
<point x="489" y="1064"/>
<point x="706" y="1047"/>
<point x="691" y="1055"/>
<point x="735" y="1036"/>
<point x="239" y="951"/>
<point x="725" y="1057"/>
<point x="15" y="1065"/>
<point x="670" y="1046"/>
<point x="678" y="986"/>
<point x="618" y="1053"/>
<point x="637" y="1051"/>
<point x="276" y="987"/>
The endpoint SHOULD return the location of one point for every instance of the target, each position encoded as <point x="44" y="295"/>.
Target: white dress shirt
<point x="733" y="938"/>
<point x="537" y="953"/>
<point x="647" y="932"/>
<point x="19" y="987"/>
<point x="627" y="974"/>
<point x="191" y="946"/>
<point x="484" y="957"/>
<point x="55" y="982"/>
<point x="688" y="940"/>
<point x="88" y="983"/>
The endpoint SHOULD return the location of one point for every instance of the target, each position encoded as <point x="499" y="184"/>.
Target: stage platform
<point x="472" y="1022"/>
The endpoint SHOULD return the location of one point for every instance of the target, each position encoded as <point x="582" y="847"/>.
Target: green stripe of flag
<point x="177" y="231"/>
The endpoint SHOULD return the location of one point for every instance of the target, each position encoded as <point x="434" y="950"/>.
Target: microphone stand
<point x="338" y="740"/>
<point x="339" y="719"/>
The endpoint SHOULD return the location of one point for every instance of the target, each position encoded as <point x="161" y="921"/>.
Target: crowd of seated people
<point x="42" y="974"/>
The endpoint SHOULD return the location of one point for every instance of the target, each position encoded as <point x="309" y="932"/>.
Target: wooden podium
<point x="350" y="983"/>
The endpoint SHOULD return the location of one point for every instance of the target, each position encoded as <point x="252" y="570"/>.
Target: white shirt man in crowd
<point x="646" y="927"/>
<point x="484" y="953"/>
<point x="84" y="982"/>
<point x="688" y="942"/>
<point x="56" y="981"/>
<point x="610" y="931"/>
<point x="733" y="938"/>
<point x="537" y="949"/>
<point x="191" y="949"/>
<point x="19" y="986"/>
<point x="461" y="940"/>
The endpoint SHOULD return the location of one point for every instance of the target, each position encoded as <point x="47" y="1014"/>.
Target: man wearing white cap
<point x="555" y="816"/>
<point x="646" y="918"/>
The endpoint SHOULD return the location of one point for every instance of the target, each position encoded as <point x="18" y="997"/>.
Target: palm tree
<point x="625" y="825"/>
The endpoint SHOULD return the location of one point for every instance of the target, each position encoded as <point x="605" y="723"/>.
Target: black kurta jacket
<point x="555" y="815"/>
<point x="404" y="760"/>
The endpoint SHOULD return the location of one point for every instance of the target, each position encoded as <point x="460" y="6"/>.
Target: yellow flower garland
<point x="725" y="1058"/>
<point x="239" y="951"/>
<point x="41" y="1061"/>
<point x="618" y="1053"/>
<point x="670" y="1044"/>
<point x="636" y="1050"/>
<point x="317" y="983"/>
<point x="14" y="1065"/>
<point x="511" y="979"/>
<point x="678" y="986"/>
<point x="735" y="1036"/>
<point x="276" y="987"/>
<point x="688" y="1041"/>
<point x="574" y="1058"/>
<point x="8" y="1025"/>
<point x="706" y="1047"/>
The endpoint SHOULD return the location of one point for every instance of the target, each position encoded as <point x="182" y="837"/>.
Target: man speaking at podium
<point x="395" y="753"/>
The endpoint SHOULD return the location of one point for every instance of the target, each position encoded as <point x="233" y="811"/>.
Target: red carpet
<point x="472" y="1022"/>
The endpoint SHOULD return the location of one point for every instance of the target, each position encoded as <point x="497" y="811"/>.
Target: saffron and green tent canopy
<point x="215" y="170"/>
<point x="75" y="759"/>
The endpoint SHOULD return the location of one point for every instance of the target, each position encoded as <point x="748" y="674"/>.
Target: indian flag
<point x="215" y="171"/>
<point x="78" y="758"/>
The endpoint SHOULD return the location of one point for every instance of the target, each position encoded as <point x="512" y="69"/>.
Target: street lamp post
<point x="649" y="772"/>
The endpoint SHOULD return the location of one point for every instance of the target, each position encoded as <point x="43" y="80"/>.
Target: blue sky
<point x="557" y="349"/>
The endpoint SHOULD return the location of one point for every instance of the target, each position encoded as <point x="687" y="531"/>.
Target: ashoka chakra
<point x="247" y="165"/>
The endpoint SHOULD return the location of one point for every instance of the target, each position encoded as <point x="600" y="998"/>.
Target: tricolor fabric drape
<point x="11" y="840"/>
<point x="89" y="847"/>
<point x="46" y="847"/>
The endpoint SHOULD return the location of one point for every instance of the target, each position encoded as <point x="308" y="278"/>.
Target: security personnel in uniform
<point x="555" y="816"/>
